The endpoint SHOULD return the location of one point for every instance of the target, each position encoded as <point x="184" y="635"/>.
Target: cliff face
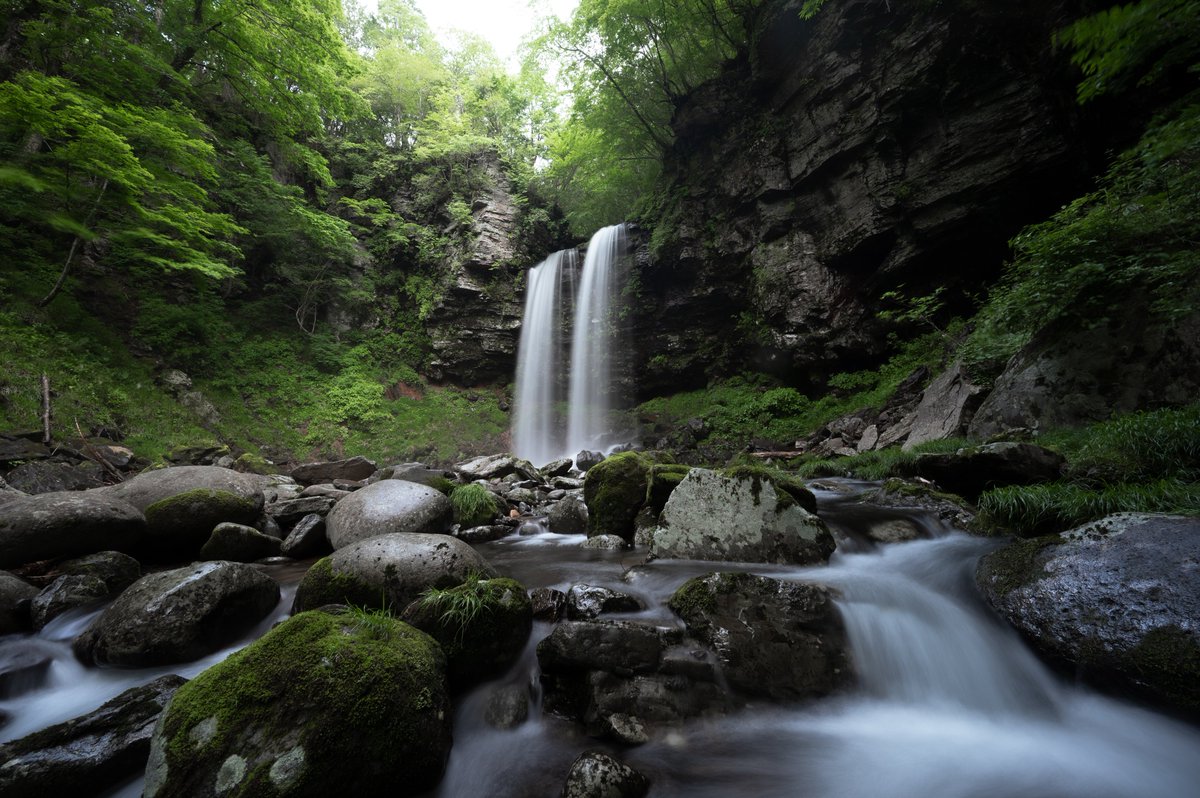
<point x="870" y="149"/>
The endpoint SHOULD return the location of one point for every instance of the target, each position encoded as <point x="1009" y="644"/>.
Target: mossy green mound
<point x="622" y="484"/>
<point x="474" y="505"/>
<point x="482" y="626"/>
<point x="179" y="525"/>
<point x="349" y="703"/>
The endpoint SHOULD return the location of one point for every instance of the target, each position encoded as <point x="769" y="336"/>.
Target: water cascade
<point x="594" y="342"/>
<point x="593" y="317"/>
<point x="541" y="356"/>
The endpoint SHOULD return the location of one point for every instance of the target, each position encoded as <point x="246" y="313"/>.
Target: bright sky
<point x="502" y="22"/>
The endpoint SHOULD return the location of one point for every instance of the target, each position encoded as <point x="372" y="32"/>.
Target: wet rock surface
<point x="178" y="615"/>
<point x="239" y="543"/>
<point x="775" y="639"/>
<point x="86" y="755"/>
<point x="599" y="775"/>
<point x="1115" y="600"/>
<point x="67" y="524"/>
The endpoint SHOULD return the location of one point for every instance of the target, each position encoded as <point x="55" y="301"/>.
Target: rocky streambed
<point x="699" y="635"/>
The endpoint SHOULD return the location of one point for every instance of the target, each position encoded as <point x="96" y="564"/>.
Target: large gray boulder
<point x="775" y="639"/>
<point x="178" y="616"/>
<point x="151" y="487"/>
<point x="1117" y="601"/>
<point x="389" y="571"/>
<point x="323" y="704"/>
<point x="67" y="524"/>
<point x="387" y="507"/>
<point x="90" y="754"/>
<point x="711" y="516"/>
<point x="13" y="592"/>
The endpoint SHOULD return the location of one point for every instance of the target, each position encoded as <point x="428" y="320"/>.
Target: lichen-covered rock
<point x="15" y="595"/>
<point x="605" y="543"/>
<point x="615" y="490"/>
<point x="1116" y="600"/>
<point x="481" y="625"/>
<point x="946" y="407"/>
<point x="781" y="640"/>
<point x="90" y="754"/>
<point x="179" y="525"/>
<point x="178" y="616"/>
<point x="711" y="516"/>
<point x="389" y="571"/>
<point x="67" y="524"/>
<point x="323" y="704"/>
<point x="387" y="507"/>
<point x="353" y="468"/>
<point x="598" y="775"/>
<point x="238" y="543"/>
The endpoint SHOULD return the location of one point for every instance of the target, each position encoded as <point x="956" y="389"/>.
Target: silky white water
<point x="595" y="339"/>
<point x="540" y="358"/>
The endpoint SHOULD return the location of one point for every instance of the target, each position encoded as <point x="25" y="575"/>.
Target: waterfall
<point x="540" y="358"/>
<point x="595" y="340"/>
<point x="595" y="321"/>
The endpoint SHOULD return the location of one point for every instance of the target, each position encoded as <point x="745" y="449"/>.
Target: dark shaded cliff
<point x="871" y="149"/>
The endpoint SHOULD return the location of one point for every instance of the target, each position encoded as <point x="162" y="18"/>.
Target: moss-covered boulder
<point x="153" y="486"/>
<point x="713" y="516"/>
<point x="482" y="626"/>
<point x="238" y="543"/>
<point x="325" y="704"/>
<point x="179" y="615"/>
<point x="664" y="478"/>
<point x="178" y="526"/>
<point x="614" y="491"/>
<point x="389" y="571"/>
<point x="1115" y="602"/>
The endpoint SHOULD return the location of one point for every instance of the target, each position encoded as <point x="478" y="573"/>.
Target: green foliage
<point x="372" y="623"/>
<point x="474" y="505"/>
<point x="459" y="606"/>
<point x="877" y="464"/>
<point x="1040" y="509"/>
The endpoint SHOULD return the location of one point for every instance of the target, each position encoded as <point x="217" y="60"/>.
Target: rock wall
<point x="878" y="147"/>
<point x="475" y="326"/>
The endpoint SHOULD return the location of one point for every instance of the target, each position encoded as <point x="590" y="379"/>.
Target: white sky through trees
<point x="502" y="22"/>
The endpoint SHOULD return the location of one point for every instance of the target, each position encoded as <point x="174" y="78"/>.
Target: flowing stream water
<point x="949" y="702"/>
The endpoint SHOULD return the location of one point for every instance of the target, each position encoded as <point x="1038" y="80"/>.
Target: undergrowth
<point x="474" y="505"/>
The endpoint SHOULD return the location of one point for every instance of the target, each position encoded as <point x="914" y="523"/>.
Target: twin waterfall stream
<point x="948" y="702"/>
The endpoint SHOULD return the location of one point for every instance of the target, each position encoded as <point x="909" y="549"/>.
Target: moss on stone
<point x="789" y="490"/>
<point x="663" y="479"/>
<point x="186" y="520"/>
<point x="322" y="585"/>
<point x="481" y="625"/>
<point x="369" y="714"/>
<point x="614" y="491"/>
<point x="1014" y="566"/>
<point x="698" y="595"/>
<point x="1167" y="661"/>
<point x="254" y="464"/>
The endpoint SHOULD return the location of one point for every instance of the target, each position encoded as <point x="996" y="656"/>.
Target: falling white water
<point x="594" y="343"/>
<point x="540" y="358"/>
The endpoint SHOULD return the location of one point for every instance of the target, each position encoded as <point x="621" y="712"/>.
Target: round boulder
<point x="389" y="571"/>
<point x="179" y="525"/>
<point x="178" y="616"/>
<point x="1114" y="600"/>
<point x="239" y="543"/>
<point x="323" y="704"/>
<point x="482" y="625"/>
<point x="67" y="524"/>
<point x="598" y="775"/>
<point x="386" y="507"/>
<point x="568" y="517"/>
<point x="150" y="487"/>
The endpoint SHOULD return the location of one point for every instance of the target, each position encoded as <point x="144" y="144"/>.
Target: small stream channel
<point x="949" y="702"/>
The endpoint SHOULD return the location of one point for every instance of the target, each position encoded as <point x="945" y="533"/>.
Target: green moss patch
<point x="1014" y="566"/>
<point x="317" y="706"/>
<point x="322" y="585"/>
<point x="183" y="522"/>
<point x="614" y="491"/>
